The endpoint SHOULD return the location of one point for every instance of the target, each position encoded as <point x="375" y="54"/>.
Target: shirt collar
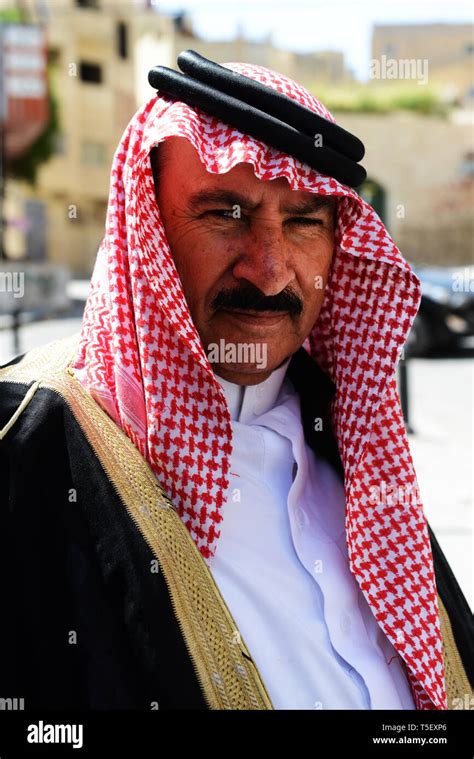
<point x="247" y="402"/>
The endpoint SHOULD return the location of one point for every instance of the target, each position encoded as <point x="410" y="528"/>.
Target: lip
<point x="265" y="318"/>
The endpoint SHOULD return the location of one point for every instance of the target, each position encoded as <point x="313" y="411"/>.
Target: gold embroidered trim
<point x="458" y="688"/>
<point x="227" y="675"/>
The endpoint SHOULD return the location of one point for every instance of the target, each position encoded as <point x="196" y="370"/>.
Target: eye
<point x="305" y="221"/>
<point x="222" y="213"/>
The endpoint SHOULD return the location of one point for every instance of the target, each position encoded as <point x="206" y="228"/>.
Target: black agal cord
<point x="263" y="113"/>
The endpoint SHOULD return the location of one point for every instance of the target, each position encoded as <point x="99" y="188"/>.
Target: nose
<point x="265" y="260"/>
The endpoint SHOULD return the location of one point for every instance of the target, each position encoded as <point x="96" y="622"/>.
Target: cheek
<point x="314" y="298"/>
<point x="206" y="258"/>
<point x="312" y="268"/>
<point x="199" y="271"/>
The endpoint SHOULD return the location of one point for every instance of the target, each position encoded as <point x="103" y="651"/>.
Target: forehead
<point x="178" y="161"/>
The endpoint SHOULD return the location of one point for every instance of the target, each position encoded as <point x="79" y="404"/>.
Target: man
<point x="210" y="500"/>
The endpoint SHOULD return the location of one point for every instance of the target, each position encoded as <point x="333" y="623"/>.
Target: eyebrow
<point x="231" y="198"/>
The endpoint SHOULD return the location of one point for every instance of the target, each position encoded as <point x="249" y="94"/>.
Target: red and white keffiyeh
<point x="140" y="357"/>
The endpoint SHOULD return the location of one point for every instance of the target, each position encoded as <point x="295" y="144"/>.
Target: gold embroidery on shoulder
<point x="40" y="363"/>
<point x="458" y="689"/>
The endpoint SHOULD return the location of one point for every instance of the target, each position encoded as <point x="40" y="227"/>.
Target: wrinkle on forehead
<point x="210" y="184"/>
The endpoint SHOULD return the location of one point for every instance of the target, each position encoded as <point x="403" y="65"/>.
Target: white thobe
<point x="282" y="565"/>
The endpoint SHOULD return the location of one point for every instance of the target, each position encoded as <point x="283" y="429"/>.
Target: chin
<point x="247" y="368"/>
<point x="244" y="377"/>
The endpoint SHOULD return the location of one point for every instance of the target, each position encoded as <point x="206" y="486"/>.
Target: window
<point x="122" y="40"/>
<point x="389" y="50"/>
<point x="90" y="72"/>
<point x="467" y="166"/>
<point x="94" y="4"/>
<point x="93" y="153"/>
<point x="60" y="143"/>
<point x="54" y="56"/>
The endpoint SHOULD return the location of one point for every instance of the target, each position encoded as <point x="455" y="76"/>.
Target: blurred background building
<point x="99" y="55"/>
<point x="449" y="48"/>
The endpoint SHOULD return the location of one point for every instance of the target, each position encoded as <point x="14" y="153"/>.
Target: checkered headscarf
<point x="141" y="358"/>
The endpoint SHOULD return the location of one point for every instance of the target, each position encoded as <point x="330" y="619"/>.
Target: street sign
<point x="24" y="110"/>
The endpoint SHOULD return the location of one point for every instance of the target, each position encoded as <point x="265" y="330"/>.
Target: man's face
<point x="253" y="257"/>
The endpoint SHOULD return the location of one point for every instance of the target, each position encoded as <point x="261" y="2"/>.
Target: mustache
<point x="251" y="298"/>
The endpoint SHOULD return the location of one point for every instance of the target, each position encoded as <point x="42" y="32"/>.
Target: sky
<point x="312" y="25"/>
